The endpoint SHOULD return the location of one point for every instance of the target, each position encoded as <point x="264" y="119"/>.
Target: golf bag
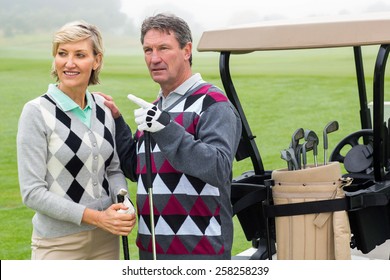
<point x="309" y="209"/>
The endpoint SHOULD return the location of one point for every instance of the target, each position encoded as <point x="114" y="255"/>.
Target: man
<point x="195" y="133"/>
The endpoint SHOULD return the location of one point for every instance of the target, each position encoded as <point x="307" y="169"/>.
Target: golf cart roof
<point x="370" y="29"/>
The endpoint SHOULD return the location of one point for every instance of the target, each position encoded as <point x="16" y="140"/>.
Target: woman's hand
<point x="109" y="102"/>
<point x="110" y="220"/>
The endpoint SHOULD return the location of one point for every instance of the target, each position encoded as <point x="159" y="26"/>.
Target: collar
<point x="64" y="101"/>
<point x="186" y="86"/>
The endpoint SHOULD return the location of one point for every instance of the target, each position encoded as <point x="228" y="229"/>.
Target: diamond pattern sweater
<point x="64" y="166"/>
<point x="191" y="164"/>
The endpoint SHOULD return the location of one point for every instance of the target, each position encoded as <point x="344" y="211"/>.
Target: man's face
<point x="167" y="63"/>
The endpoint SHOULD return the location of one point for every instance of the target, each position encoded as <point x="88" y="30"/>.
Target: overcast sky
<point x="209" y="14"/>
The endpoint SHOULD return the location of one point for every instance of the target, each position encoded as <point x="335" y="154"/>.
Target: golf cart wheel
<point x="359" y="157"/>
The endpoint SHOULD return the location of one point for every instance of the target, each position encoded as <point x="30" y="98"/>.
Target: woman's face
<point x="74" y="63"/>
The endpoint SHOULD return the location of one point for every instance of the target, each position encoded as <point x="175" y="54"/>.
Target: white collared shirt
<point x="173" y="96"/>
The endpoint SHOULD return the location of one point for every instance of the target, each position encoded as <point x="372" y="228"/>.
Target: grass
<point x="279" y="91"/>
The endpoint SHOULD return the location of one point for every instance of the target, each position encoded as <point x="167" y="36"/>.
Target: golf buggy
<point x="367" y="197"/>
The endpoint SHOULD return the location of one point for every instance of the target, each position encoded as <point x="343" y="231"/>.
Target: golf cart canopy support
<point x="372" y="29"/>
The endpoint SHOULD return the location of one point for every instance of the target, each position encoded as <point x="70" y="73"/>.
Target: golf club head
<point x="286" y="156"/>
<point x="311" y="136"/>
<point x="296" y="136"/>
<point x="329" y="128"/>
<point x="307" y="146"/>
<point x="291" y="154"/>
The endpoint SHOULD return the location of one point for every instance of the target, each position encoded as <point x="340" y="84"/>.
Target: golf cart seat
<point x="368" y="196"/>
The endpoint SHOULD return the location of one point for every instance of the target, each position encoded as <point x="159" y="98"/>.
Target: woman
<point x="69" y="171"/>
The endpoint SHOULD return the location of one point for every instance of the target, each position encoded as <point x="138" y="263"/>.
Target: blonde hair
<point x="76" y="31"/>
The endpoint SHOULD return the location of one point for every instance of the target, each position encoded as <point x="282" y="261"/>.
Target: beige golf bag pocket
<point x="319" y="235"/>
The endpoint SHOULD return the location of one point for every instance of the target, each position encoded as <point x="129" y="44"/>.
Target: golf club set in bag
<point x="315" y="211"/>
<point x="296" y="153"/>
<point x="306" y="202"/>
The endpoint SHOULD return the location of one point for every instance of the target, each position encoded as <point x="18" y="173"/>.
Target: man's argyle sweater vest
<point x="186" y="209"/>
<point x="78" y="156"/>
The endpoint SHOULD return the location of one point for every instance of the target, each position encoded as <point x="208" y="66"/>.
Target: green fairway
<point x="280" y="91"/>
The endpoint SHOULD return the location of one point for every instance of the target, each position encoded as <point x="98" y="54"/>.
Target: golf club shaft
<point x="315" y="152"/>
<point x="150" y="193"/>
<point x="149" y="185"/>
<point x="329" y="128"/>
<point x="325" y="157"/>
<point x="125" y="242"/>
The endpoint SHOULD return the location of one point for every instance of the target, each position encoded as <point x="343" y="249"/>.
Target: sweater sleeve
<point x="126" y="148"/>
<point x="116" y="176"/>
<point x="210" y="156"/>
<point x="32" y="169"/>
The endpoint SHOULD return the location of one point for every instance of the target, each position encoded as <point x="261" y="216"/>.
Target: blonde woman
<point x="69" y="171"/>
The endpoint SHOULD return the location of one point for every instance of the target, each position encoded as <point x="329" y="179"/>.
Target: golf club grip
<point x="125" y="244"/>
<point x="120" y="198"/>
<point x="125" y="241"/>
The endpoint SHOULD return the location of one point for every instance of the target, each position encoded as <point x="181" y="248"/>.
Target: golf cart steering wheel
<point x="359" y="157"/>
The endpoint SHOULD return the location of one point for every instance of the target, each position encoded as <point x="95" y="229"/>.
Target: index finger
<point x="140" y="102"/>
